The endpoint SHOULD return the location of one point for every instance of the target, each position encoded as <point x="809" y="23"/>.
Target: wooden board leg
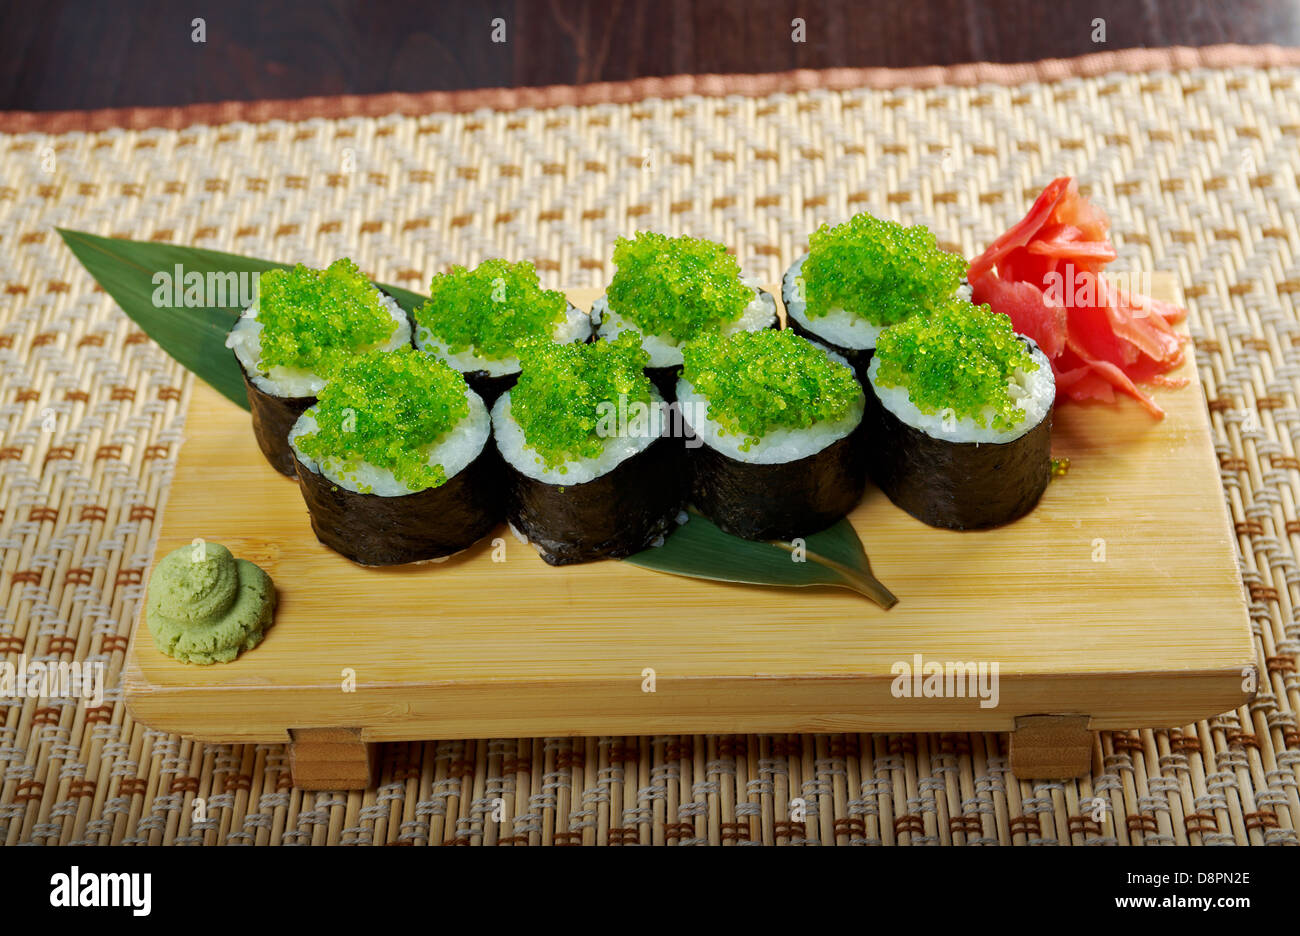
<point x="1051" y="747"/>
<point x="331" y="759"/>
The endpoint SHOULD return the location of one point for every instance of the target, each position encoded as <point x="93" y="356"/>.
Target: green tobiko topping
<point x="676" y="286"/>
<point x="960" y="356"/>
<point x="877" y="270"/>
<point x="387" y="409"/>
<point x="316" y="319"/>
<point x="491" y="310"/>
<point x="762" y="380"/>
<point x="558" y="399"/>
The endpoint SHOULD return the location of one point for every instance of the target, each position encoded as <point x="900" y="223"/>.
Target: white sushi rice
<point x="837" y="326"/>
<point x="840" y="328"/>
<point x="663" y="350"/>
<point x="779" y="445"/>
<point x="631" y="439"/>
<point x="454" y="452"/>
<point x="575" y="327"/>
<point x="245" y="339"/>
<point x="1034" y="390"/>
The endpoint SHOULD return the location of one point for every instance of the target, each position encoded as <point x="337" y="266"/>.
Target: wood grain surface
<point x="1156" y="634"/>
<point x="76" y="54"/>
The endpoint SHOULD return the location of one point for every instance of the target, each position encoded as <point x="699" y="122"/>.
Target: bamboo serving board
<point x="1116" y="604"/>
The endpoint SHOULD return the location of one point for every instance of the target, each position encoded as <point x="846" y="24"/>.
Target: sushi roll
<point x="672" y="289"/>
<point x="304" y="325"/>
<point x="960" y="416"/>
<point x="394" y="461"/>
<point x="780" y="421"/>
<point x="477" y="320"/>
<point x="863" y="276"/>
<point x="583" y="435"/>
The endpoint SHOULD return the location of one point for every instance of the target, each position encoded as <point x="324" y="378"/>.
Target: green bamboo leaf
<point x="195" y="337"/>
<point x="698" y="549"/>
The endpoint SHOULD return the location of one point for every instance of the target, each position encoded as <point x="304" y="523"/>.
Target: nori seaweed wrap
<point x="478" y="320"/>
<point x="672" y="289"/>
<point x="862" y="276"/>
<point x="395" y="462"/>
<point x="961" y="431"/>
<point x="779" y="447"/>
<point x="273" y="417"/>
<point x="304" y="325"/>
<point x="379" y="531"/>
<point x="592" y="474"/>
<point x="616" y="514"/>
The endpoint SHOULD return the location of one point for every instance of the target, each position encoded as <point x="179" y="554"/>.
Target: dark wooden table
<point x="63" y="54"/>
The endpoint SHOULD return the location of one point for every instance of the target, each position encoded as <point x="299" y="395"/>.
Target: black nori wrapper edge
<point x="665" y="380"/>
<point x="957" y="485"/>
<point x="620" y="513"/>
<point x="379" y="531"/>
<point x="489" y="387"/>
<point x="779" y="501"/>
<point x="859" y="359"/>
<point x="273" y="417"/>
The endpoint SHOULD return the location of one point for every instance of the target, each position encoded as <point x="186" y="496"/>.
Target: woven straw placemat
<point x="1196" y="162"/>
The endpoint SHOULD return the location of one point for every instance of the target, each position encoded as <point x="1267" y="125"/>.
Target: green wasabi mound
<point x="959" y="356"/>
<point x="676" y="286"/>
<point x="764" y="380"/>
<point x="558" y="399"/>
<point x="878" y="270"/>
<point x="205" y="606"/>
<point x="491" y="310"/>
<point x="315" y="319"/>
<point x="386" y="409"/>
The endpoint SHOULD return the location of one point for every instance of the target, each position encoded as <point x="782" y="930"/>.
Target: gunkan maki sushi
<point x="960" y="412"/>
<point x="303" y="326"/>
<point x="863" y="276"/>
<point x="672" y="289"/>
<point x="477" y="320"/>
<point x="593" y="474"/>
<point x="394" y="461"/>
<point x="780" y="419"/>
